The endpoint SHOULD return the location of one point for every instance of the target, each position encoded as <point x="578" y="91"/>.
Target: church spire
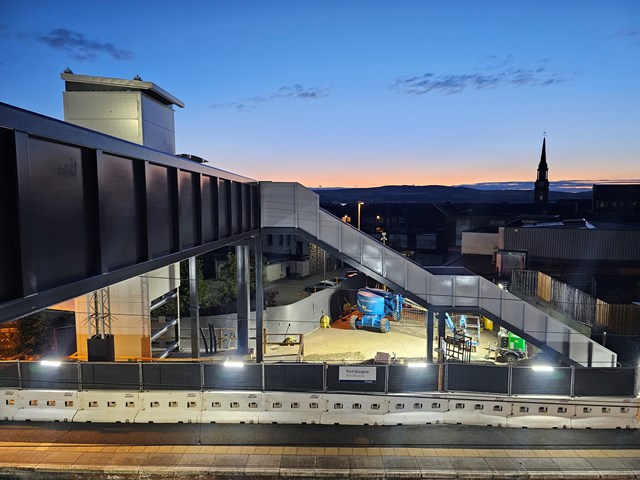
<point x="541" y="188"/>
<point x="542" y="166"/>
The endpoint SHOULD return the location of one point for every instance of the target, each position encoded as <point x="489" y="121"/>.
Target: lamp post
<point x="360" y="203"/>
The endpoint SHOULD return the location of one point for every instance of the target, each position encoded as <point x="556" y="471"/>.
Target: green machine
<point x="511" y="347"/>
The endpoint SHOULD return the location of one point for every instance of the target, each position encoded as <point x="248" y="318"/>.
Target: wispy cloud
<point x="295" y="91"/>
<point x="497" y="72"/>
<point x="573" y="186"/>
<point x="80" y="47"/>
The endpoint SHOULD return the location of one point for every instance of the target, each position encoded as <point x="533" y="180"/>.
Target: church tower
<point x="541" y="189"/>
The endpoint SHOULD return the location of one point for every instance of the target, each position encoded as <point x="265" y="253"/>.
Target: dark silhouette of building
<point x="541" y="188"/>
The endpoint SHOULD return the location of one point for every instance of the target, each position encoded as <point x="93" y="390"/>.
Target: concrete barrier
<point x="605" y="413"/>
<point x="355" y="409"/>
<point x="479" y="411"/>
<point x="231" y="407"/>
<point x="169" y="407"/>
<point x="120" y="406"/>
<point x="528" y="413"/>
<point x="9" y="403"/>
<point x="295" y="408"/>
<point x="47" y="406"/>
<point x="114" y="406"/>
<point x="415" y="410"/>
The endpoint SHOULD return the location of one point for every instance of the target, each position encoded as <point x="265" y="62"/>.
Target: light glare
<point x="542" y="368"/>
<point x="50" y="363"/>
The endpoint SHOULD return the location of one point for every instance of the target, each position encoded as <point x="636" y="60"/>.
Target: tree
<point x="204" y="294"/>
<point x="225" y="291"/>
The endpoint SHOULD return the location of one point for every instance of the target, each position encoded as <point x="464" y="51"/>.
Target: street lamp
<point x="360" y="203"/>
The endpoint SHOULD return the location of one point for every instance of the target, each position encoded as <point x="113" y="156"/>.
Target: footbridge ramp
<point x="292" y="207"/>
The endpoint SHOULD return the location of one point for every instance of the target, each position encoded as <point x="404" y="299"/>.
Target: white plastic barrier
<point x="9" y="404"/>
<point x="231" y="407"/>
<point x="115" y="406"/>
<point x="606" y="413"/>
<point x="169" y="407"/>
<point x="483" y="412"/>
<point x="47" y="405"/>
<point x="529" y="413"/>
<point x="355" y="409"/>
<point x="296" y="408"/>
<point x="415" y="411"/>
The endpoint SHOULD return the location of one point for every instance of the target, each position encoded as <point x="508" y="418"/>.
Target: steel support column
<point x="242" y="257"/>
<point x="194" y="308"/>
<point x="429" y="336"/>
<point x="259" y="298"/>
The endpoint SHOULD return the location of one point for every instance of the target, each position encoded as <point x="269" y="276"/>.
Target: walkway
<point x="212" y="451"/>
<point x="86" y="461"/>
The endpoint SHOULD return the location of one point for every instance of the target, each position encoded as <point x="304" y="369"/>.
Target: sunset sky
<point x="358" y="93"/>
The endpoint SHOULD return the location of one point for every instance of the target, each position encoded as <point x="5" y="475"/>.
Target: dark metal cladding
<point x="82" y="210"/>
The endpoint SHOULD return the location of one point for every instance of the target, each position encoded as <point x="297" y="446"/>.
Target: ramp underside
<point x="293" y="207"/>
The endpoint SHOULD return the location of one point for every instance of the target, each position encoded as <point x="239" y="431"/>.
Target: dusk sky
<point x="358" y="93"/>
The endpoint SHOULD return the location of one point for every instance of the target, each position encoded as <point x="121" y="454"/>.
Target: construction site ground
<point x="406" y="341"/>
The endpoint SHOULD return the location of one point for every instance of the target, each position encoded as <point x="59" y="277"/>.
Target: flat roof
<point x="80" y="83"/>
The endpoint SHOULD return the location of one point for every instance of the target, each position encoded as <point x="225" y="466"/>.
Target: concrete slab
<point x="501" y="464"/>
<point x="631" y="463"/>
<point x="399" y="463"/>
<point x="434" y="463"/>
<point x="537" y="464"/>
<point x="573" y="464"/>
<point x="306" y="462"/>
<point x="602" y="463"/>
<point x="264" y="461"/>
<point x="195" y="460"/>
<point x="162" y="459"/>
<point x="469" y="463"/>
<point x="366" y="462"/>
<point x="332" y="462"/>
<point x="127" y="459"/>
<point x="238" y="462"/>
<point x="94" y="459"/>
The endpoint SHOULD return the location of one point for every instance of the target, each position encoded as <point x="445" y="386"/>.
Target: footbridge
<point x="82" y="210"/>
<point x="296" y="209"/>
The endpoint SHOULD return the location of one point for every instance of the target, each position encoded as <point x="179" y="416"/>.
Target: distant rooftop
<point x="90" y="83"/>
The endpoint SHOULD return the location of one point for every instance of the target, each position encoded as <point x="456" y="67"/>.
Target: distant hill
<point x="437" y="194"/>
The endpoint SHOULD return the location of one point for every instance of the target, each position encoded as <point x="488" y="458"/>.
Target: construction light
<point x="417" y="365"/>
<point x="233" y="364"/>
<point x="50" y="363"/>
<point x="542" y="368"/>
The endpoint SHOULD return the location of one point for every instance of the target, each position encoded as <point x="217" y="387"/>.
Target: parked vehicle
<point x="320" y="286"/>
<point x="351" y="273"/>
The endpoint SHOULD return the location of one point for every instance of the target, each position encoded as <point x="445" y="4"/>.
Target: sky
<point x="358" y="93"/>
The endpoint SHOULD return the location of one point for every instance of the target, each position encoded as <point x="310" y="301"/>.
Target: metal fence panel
<point x="38" y="376"/>
<point x="406" y="379"/>
<point x="221" y="377"/>
<point x="525" y="380"/>
<point x="110" y="376"/>
<point x="335" y="384"/>
<point x="9" y="375"/>
<point x="296" y="377"/>
<point x="171" y="376"/>
<point x="477" y="378"/>
<point x="605" y="381"/>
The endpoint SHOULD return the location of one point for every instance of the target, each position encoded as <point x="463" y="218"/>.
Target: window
<point x="269" y="240"/>
<point x="280" y="240"/>
<point x="288" y="240"/>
